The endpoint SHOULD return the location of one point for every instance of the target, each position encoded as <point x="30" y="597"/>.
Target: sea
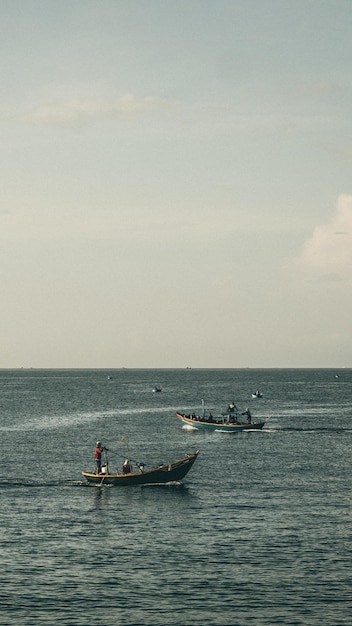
<point x="258" y="533"/>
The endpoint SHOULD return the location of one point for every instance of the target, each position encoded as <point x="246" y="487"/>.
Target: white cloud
<point x="53" y="108"/>
<point x="83" y="110"/>
<point x="328" y="252"/>
<point x="185" y="222"/>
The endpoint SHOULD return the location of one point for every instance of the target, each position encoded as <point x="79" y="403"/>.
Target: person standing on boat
<point x="97" y="455"/>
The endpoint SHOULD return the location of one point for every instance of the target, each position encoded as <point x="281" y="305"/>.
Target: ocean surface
<point x="259" y="533"/>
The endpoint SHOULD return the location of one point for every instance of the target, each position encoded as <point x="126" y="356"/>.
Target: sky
<point x="176" y="183"/>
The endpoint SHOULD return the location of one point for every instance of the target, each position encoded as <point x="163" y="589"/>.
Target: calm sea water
<point x="259" y="533"/>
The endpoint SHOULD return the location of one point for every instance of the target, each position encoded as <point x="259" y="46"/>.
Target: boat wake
<point x="173" y="483"/>
<point x="310" y="429"/>
<point x="48" y="422"/>
<point x="8" y="483"/>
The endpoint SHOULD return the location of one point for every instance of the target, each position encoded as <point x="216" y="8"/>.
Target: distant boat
<point x="257" y="394"/>
<point x="231" y="421"/>
<point x="156" y="389"/>
<point x="163" y="474"/>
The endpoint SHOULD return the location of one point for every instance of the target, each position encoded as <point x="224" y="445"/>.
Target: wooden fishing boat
<point x="165" y="473"/>
<point x="231" y="421"/>
<point x="219" y="423"/>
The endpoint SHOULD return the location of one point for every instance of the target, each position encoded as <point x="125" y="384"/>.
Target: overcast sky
<point x="176" y="183"/>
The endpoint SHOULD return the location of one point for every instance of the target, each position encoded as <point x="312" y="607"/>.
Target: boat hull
<point x="223" y="426"/>
<point x="167" y="473"/>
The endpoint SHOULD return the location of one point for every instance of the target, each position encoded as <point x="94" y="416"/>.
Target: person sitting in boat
<point x="127" y="467"/>
<point x="97" y="455"/>
<point x="247" y="413"/>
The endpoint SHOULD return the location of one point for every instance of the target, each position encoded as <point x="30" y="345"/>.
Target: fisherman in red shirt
<point x="97" y="455"/>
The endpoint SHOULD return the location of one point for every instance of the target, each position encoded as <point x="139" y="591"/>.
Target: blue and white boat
<point x="231" y="421"/>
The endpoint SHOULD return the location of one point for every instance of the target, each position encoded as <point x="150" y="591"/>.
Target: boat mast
<point x="106" y="460"/>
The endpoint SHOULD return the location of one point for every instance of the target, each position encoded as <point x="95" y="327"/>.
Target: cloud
<point x="341" y="152"/>
<point x="327" y="254"/>
<point x="315" y="89"/>
<point x="144" y="221"/>
<point x="82" y="110"/>
<point x="129" y="224"/>
<point x="52" y="108"/>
